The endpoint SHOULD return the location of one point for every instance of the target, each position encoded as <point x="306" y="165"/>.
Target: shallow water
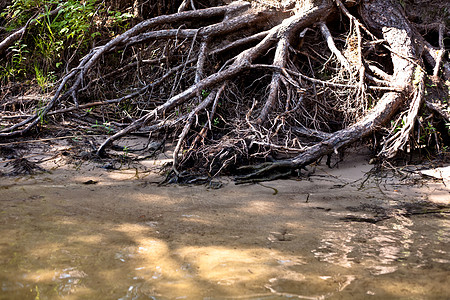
<point x="60" y="239"/>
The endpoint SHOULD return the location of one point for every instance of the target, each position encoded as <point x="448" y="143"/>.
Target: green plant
<point x="205" y="93"/>
<point x="70" y="29"/>
<point x="428" y="130"/>
<point x="120" y="19"/>
<point x="50" y="38"/>
<point x="44" y="80"/>
<point x="125" y="152"/>
<point x="398" y="126"/>
<point x="40" y="113"/>
<point x="15" y="67"/>
<point x="106" y="126"/>
<point x="20" y="11"/>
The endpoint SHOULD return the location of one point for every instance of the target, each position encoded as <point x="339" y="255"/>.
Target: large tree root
<point x="379" y="115"/>
<point x="241" y="83"/>
<point x="403" y="73"/>
<point x="241" y="63"/>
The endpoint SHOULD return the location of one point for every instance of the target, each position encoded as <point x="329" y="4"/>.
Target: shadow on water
<point x="60" y="239"/>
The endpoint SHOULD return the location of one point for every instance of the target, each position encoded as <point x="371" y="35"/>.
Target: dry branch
<point x="331" y="45"/>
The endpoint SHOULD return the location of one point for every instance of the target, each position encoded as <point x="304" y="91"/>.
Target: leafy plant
<point x="40" y="113"/>
<point x="120" y="19"/>
<point x="428" y="130"/>
<point x="106" y="126"/>
<point x="15" y="67"/>
<point x="125" y="152"/>
<point x="205" y="93"/>
<point x="398" y="127"/>
<point x="53" y="37"/>
<point x="50" y="36"/>
<point x="44" y="80"/>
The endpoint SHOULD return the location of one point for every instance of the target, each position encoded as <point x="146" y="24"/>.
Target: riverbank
<point x="95" y="230"/>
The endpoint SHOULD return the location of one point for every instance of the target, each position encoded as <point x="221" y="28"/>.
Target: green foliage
<point x="44" y="80"/>
<point x="119" y="19"/>
<point x="20" y="11"/>
<point x="48" y="39"/>
<point x="205" y="93"/>
<point x="40" y="113"/>
<point x="52" y="40"/>
<point x="125" y="152"/>
<point x="106" y="127"/>
<point x="428" y="130"/>
<point x="397" y="126"/>
<point x="15" y="66"/>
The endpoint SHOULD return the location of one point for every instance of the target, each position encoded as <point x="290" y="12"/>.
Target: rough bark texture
<point x="266" y="81"/>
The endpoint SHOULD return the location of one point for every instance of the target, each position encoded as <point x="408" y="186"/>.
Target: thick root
<point x="245" y="83"/>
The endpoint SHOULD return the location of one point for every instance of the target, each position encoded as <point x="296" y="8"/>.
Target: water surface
<point x="129" y="239"/>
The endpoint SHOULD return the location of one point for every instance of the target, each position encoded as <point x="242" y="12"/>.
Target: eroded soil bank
<point x="83" y="232"/>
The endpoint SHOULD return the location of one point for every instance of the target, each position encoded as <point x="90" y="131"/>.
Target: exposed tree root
<point x="244" y="83"/>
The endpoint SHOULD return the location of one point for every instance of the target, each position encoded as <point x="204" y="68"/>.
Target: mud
<point x="82" y="231"/>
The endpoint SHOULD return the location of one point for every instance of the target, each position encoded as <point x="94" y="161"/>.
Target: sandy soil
<point x="89" y="229"/>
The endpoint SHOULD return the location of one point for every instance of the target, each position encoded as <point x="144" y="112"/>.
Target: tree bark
<point x="260" y="81"/>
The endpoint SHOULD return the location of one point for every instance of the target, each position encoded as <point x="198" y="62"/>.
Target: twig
<point x="39" y="140"/>
<point x="441" y="54"/>
<point x="397" y="141"/>
<point x="187" y="127"/>
<point x="326" y="83"/>
<point x="332" y="46"/>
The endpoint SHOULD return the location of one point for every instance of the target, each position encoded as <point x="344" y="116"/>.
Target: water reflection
<point x="49" y="253"/>
<point x="307" y="288"/>
<point x="69" y="280"/>
<point x="383" y="248"/>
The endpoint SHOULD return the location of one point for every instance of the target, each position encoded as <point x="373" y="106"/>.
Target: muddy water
<point x="329" y="237"/>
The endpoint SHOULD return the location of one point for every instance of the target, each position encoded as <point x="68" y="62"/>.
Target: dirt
<point x="89" y="229"/>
